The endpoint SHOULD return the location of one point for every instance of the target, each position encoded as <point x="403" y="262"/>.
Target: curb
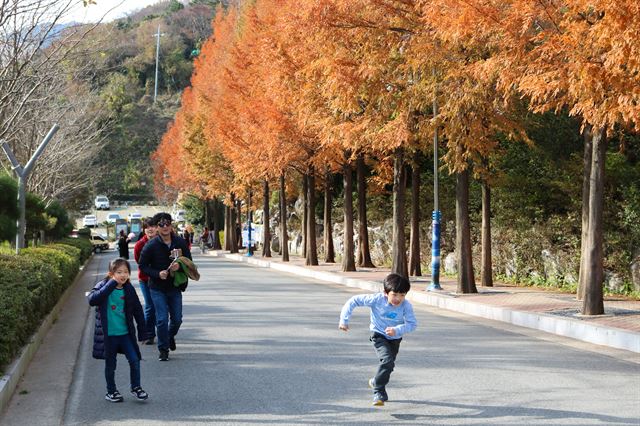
<point x="9" y="381"/>
<point x="574" y="329"/>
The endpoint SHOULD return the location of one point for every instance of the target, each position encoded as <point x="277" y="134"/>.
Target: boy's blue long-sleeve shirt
<point x="383" y="314"/>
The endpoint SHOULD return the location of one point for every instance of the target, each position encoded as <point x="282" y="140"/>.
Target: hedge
<point x="31" y="283"/>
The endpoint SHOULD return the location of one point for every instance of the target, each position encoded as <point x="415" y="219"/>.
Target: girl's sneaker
<point x="139" y="393"/>
<point x="114" y="397"/>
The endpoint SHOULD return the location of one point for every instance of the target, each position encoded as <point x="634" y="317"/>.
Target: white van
<point x="102" y="202"/>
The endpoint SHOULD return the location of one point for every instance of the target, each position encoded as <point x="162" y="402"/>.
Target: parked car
<point x="179" y="216"/>
<point x="90" y="220"/>
<point x="134" y="215"/>
<point x="112" y="217"/>
<point x="99" y="243"/>
<point x="102" y="202"/>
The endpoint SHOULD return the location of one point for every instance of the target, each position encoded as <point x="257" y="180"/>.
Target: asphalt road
<point x="262" y="347"/>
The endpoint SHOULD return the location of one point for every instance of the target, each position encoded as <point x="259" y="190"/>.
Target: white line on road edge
<point x="575" y="329"/>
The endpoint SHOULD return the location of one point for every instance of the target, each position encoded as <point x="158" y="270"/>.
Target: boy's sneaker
<point x="383" y="393"/>
<point x="114" y="397"/>
<point x="172" y="343"/>
<point x="164" y="355"/>
<point x="139" y="393"/>
<point x="150" y="341"/>
<point x="377" y="399"/>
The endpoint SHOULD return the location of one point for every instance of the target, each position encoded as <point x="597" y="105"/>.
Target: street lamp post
<point x="155" y="89"/>
<point x="249" y="217"/>
<point x="436" y="215"/>
<point x="23" y="175"/>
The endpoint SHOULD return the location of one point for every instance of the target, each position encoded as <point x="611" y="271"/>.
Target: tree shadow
<point x="493" y="412"/>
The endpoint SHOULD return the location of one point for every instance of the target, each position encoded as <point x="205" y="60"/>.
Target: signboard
<point x="256" y="234"/>
<point x="136" y="228"/>
<point x="121" y="225"/>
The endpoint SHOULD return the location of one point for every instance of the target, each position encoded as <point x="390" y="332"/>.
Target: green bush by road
<point x="30" y="285"/>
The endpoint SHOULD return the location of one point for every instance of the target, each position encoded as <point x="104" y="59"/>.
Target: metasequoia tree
<point x="578" y="55"/>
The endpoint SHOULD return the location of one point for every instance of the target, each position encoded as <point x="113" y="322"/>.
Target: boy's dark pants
<point x="387" y="351"/>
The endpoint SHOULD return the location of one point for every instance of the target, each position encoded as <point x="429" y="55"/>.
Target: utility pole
<point x="155" y="90"/>
<point x="23" y="175"/>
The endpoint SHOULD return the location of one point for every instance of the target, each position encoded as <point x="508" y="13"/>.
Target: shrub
<point x="83" y="244"/>
<point x="23" y="298"/>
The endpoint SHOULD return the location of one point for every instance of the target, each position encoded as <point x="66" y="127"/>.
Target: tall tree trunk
<point x="593" y="303"/>
<point x="232" y="235"/>
<point x="466" y="278"/>
<point x="305" y="217"/>
<point x="238" y="224"/>
<point x="215" y="213"/>
<point x="586" y="178"/>
<point x="311" y="257"/>
<point x="398" y="246"/>
<point x="486" y="271"/>
<point x="364" y="253"/>
<point x="414" y="236"/>
<point x="266" y="219"/>
<point x="348" y="259"/>
<point x="207" y="213"/>
<point x="329" y="252"/>
<point x="280" y="204"/>
<point x="284" y="237"/>
<point x="228" y="228"/>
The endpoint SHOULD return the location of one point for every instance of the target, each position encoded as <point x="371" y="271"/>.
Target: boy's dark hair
<point x="396" y="283"/>
<point x="147" y="223"/>
<point x="161" y="216"/>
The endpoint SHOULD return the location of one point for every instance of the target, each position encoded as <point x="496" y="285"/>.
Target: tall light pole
<point x="436" y="215"/>
<point x="23" y="175"/>
<point x="155" y="90"/>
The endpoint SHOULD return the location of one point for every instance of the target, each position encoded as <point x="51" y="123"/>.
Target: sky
<point x="111" y="9"/>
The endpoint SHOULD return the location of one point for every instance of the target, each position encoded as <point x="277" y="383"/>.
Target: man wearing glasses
<point x="157" y="259"/>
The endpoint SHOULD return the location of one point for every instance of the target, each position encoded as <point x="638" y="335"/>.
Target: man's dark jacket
<point x="155" y="258"/>
<point x="99" y="297"/>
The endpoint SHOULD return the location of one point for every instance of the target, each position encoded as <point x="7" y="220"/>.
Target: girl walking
<point x="117" y="305"/>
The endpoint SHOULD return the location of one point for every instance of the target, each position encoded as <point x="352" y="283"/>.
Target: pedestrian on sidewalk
<point x="150" y="231"/>
<point x="117" y="305"/>
<point x="391" y="318"/>
<point x="123" y="245"/>
<point x="157" y="259"/>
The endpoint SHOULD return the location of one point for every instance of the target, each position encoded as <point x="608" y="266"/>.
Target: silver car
<point x="90" y="221"/>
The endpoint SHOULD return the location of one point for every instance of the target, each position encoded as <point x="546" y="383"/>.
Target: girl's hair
<point x="116" y="263"/>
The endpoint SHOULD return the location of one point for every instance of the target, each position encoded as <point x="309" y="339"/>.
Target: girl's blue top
<point x="383" y="314"/>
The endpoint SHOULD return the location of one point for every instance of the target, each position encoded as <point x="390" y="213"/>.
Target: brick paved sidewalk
<point x="620" y="314"/>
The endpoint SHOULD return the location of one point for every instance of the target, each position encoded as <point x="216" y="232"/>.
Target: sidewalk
<point x="548" y="311"/>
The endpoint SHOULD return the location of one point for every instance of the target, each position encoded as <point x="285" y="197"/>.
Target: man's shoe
<point x="377" y="399"/>
<point x="114" y="397"/>
<point x="150" y="341"/>
<point x="384" y="395"/>
<point x="164" y="355"/>
<point x="172" y="343"/>
<point x="139" y="393"/>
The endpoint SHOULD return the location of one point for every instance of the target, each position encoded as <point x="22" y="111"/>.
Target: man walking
<point x="157" y="260"/>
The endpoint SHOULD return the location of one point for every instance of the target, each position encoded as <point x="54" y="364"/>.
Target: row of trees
<point x="39" y="87"/>
<point x="322" y="87"/>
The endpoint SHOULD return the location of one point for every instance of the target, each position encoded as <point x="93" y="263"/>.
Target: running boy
<point x="117" y="305"/>
<point x="391" y="318"/>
